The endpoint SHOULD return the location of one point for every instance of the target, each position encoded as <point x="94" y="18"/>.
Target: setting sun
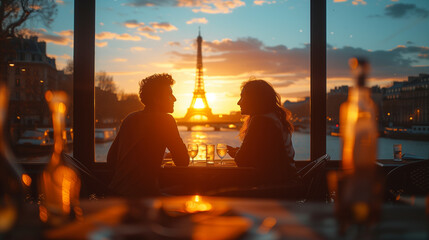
<point x="199" y="104"/>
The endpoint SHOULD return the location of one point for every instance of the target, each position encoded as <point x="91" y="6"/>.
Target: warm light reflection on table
<point x="227" y="163"/>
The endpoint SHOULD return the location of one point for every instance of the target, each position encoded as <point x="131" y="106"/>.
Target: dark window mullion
<point x="318" y="78"/>
<point x="83" y="81"/>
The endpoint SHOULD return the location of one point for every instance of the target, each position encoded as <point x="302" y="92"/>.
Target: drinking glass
<point x="221" y="151"/>
<point x="192" y="151"/>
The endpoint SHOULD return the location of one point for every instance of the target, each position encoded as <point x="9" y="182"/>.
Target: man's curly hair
<point x="151" y="86"/>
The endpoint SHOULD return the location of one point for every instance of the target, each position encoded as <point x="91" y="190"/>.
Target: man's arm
<point x="175" y="144"/>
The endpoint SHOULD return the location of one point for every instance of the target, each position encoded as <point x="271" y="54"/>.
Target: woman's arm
<point x="232" y="151"/>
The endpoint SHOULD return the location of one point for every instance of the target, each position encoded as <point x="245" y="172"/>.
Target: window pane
<point x="262" y="39"/>
<point x="38" y="58"/>
<point x="392" y="36"/>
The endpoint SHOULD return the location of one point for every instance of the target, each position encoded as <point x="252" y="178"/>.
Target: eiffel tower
<point x="199" y="110"/>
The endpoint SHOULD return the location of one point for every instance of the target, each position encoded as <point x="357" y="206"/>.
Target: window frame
<point x="83" y="81"/>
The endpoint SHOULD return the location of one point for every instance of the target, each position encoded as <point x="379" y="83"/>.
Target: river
<point x="301" y="143"/>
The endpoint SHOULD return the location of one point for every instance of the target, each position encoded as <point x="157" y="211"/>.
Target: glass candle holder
<point x="210" y="154"/>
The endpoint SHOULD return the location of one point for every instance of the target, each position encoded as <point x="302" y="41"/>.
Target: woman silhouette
<point x="266" y="135"/>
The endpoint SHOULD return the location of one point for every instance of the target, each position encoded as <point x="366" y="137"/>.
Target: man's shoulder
<point x="133" y="115"/>
<point x="144" y="115"/>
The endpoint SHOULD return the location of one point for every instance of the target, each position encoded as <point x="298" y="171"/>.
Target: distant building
<point x="30" y="73"/>
<point x="300" y="109"/>
<point x="339" y="95"/>
<point x="334" y="99"/>
<point x="407" y="103"/>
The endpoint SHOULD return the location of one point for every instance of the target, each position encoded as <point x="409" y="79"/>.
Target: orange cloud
<point x="110" y="35"/>
<point x="149" y="36"/>
<point x="105" y="35"/>
<point x="212" y="6"/>
<point x="137" y="49"/>
<point x="133" y="24"/>
<point x="262" y="2"/>
<point x="147" y="29"/>
<point x="205" y="6"/>
<point x="174" y="43"/>
<point x="164" y="26"/>
<point x="357" y="2"/>
<point x="50" y="38"/>
<point x="128" y="37"/>
<point x="66" y="33"/>
<point x="340" y="1"/>
<point x="101" y="44"/>
<point x="120" y="60"/>
<point x="35" y="7"/>
<point x="197" y="20"/>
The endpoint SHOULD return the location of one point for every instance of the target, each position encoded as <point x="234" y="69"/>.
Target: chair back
<point x="313" y="175"/>
<point x="91" y="184"/>
<point x="409" y="179"/>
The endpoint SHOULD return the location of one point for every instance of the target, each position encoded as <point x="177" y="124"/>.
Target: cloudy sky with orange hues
<point x="259" y="38"/>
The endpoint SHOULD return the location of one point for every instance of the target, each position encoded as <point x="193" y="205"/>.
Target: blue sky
<point x="261" y="38"/>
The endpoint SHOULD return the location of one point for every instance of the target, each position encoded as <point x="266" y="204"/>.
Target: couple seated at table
<point x="137" y="152"/>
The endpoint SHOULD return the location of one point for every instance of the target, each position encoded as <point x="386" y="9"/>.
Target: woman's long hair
<point x="264" y="100"/>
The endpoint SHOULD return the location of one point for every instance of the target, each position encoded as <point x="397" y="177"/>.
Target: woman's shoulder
<point x="264" y="119"/>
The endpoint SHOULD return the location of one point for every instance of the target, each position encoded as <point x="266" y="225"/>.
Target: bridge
<point x="216" y="125"/>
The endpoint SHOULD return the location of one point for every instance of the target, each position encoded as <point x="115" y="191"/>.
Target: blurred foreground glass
<point x="192" y="151"/>
<point x="59" y="183"/>
<point x="221" y="150"/>
<point x="359" y="191"/>
<point x="11" y="192"/>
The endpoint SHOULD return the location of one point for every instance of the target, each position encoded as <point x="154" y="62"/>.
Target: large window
<point x="244" y="39"/>
<point x="393" y="37"/>
<point x="389" y="34"/>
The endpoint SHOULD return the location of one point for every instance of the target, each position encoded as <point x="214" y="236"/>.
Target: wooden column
<point x="318" y="78"/>
<point x="83" y="81"/>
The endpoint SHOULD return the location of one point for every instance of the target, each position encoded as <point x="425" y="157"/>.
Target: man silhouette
<point x="137" y="152"/>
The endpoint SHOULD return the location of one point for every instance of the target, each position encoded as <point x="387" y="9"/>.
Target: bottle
<point x="360" y="189"/>
<point x="11" y="191"/>
<point x="59" y="183"/>
<point x="358" y="126"/>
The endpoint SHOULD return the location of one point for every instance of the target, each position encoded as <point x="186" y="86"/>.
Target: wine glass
<point x="221" y="151"/>
<point x="192" y="151"/>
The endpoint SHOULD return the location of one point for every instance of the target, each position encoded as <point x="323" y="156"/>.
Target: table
<point x="200" y="178"/>
<point x="234" y="218"/>
<point x="389" y="163"/>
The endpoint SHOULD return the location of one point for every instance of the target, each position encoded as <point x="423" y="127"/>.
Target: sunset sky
<point x="260" y="38"/>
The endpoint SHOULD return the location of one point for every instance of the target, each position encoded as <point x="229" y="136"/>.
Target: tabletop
<point x="201" y="217"/>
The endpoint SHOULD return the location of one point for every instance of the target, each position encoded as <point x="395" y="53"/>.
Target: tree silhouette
<point x="15" y="13"/>
<point x="105" y="82"/>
